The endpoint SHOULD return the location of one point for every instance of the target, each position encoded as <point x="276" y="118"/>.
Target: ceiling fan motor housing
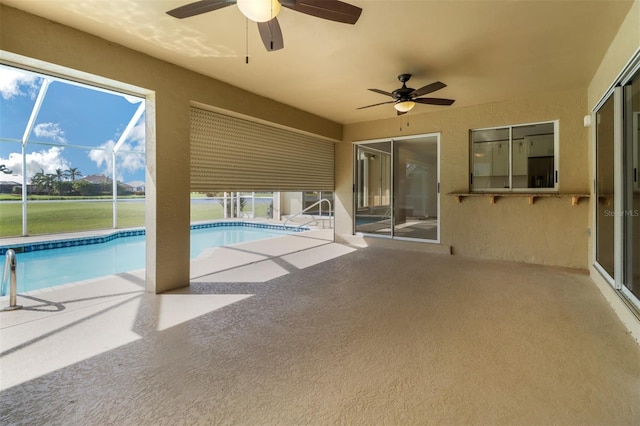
<point x="404" y="78"/>
<point x="403" y="93"/>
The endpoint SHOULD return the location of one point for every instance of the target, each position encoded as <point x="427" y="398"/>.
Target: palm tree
<point x="58" y="176"/>
<point x="48" y="181"/>
<point x="38" y="180"/>
<point x="44" y="181"/>
<point x="73" y="173"/>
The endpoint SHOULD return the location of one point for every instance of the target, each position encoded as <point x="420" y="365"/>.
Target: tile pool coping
<point x="75" y="241"/>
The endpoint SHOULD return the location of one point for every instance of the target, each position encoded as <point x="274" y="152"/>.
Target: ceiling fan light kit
<point x="404" y="106"/>
<point x="259" y="10"/>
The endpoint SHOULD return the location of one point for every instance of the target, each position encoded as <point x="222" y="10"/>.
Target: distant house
<point x="125" y="188"/>
<point x="97" y="179"/>
<point x="102" y="184"/>
<point x="137" y="185"/>
<point x="6" y="187"/>
<point x="8" y="182"/>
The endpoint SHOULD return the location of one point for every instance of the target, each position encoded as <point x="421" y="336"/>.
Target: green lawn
<point x="57" y="217"/>
<point x="51" y="218"/>
<point x="13" y="197"/>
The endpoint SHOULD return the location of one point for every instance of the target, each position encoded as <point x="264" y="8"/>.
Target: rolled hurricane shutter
<point x="233" y="154"/>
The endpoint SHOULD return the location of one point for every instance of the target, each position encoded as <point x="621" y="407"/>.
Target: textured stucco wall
<point x="551" y="231"/>
<point x="624" y="45"/>
<point x="174" y="89"/>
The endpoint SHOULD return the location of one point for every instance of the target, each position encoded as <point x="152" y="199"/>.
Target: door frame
<point x="621" y="251"/>
<point x="354" y="200"/>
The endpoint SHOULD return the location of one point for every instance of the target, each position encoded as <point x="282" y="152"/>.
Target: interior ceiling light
<point x="259" y="10"/>
<point x="404" y="106"/>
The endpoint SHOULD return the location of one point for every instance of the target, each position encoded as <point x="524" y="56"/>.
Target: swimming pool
<point x="52" y="263"/>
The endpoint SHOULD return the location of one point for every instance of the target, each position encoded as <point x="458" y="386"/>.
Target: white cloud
<point x="130" y="162"/>
<point x="13" y="83"/>
<point x="50" y="131"/>
<point x="46" y="160"/>
<point x="13" y="163"/>
<point x="127" y="162"/>
<point x="103" y="156"/>
<point x="137" y="137"/>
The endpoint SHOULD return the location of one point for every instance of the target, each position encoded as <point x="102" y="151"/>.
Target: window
<point x="72" y="156"/>
<point x="515" y="158"/>
<point x="207" y="206"/>
<point x="312" y="198"/>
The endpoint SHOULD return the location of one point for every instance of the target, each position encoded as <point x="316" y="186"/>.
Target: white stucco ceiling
<point x="485" y="51"/>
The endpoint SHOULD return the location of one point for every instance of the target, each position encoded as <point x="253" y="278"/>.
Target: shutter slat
<point x="232" y="154"/>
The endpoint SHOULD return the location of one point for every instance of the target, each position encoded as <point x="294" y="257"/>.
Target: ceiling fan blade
<point x="271" y="34"/>
<point x="382" y="92"/>
<point x="428" y="89"/>
<point x="332" y="10"/>
<point x="199" y="7"/>
<point x="434" y="101"/>
<point x="381" y="103"/>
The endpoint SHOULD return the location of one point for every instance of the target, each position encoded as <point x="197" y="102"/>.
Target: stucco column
<point x="167" y="203"/>
<point x="343" y="203"/>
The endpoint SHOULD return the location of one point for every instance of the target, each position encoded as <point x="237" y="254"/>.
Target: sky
<point x="76" y="127"/>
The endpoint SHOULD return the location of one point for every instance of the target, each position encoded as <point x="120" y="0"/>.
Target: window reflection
<point x="513" y="157"/>
<point x="605" y="187"/>
<point x="632" y="185"/>
<point x="373" y="193"/>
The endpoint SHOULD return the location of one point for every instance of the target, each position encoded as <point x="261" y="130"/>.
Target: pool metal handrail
<point x="300" y="213"/>
<point x="10" y="266"/>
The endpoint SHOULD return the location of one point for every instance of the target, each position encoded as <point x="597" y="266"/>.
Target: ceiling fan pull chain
<point x="246" y="39"/>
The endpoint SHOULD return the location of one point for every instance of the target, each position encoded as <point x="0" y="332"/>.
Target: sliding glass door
<point x="631" y="186"/>
<point x="373" y="193"/>
<point x="605" y="194"/>
<point x="416" y="189"/>
<point x="617" y="185"/>
<point x="396" y="188"/>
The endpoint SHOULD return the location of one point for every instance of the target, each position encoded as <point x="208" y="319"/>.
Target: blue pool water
<point x="45" y="268"/>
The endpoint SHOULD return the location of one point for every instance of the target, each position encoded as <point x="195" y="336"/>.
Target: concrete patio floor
<point x="300" y="330"/>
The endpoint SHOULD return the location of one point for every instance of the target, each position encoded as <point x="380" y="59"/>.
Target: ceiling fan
<point x="405" y="98"/>
<point x="265" y="12"/>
